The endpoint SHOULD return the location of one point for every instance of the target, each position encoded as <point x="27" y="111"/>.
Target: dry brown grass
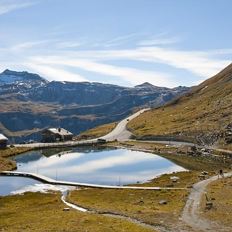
<point x="140" y="204"/>
<point x="219" y="192"/>
<point x="16" y="105"/>
<point x="207" y="108"/>
<point x="5" y="164"/>
<point x="97" y="131"/>
<point x="44" y="212"/>
<point x="226" y="147"/>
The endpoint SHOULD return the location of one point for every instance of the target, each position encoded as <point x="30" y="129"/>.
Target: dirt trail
<point x="191" y="210"/>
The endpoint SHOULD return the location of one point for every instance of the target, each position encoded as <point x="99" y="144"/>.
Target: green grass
<point x="44" y="212"/>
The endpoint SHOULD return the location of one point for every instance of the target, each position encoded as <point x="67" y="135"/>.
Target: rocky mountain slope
<point x="203" y="114"/>
<point x="30" y="103"/>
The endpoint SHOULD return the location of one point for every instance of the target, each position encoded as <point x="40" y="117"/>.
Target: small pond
<point x="108" y="166"/>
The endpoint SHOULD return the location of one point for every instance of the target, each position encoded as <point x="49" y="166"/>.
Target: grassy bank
<point x="140" y="204"/>
<point x="143" y="205"/>
<point x="44" y="212"/>
<point x="178" y="155"/>
<point x="6" y="164"/>
<point x="97" y="131"/>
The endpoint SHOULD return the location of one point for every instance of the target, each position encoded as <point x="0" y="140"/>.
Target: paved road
<point x="191" y="210"/>
<point x="78" y="184"/>
<point x="120" y="133"/>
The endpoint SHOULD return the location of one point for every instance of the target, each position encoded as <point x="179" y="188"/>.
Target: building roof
<point x="60" y="131"/>
<point x="2" y="137"/>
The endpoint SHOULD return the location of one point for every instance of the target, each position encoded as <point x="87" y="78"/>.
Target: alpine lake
<point x="106" y="166"/>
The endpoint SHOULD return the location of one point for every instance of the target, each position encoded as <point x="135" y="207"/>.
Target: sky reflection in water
<point x="114" y="167"/>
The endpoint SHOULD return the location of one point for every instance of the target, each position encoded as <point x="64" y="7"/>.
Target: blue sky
<point x="125" y="42"/>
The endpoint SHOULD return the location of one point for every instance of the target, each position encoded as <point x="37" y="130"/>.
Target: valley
<point x="29" y="103"/>
<point x="115" y="116"/>
<point x="193" y="154"/>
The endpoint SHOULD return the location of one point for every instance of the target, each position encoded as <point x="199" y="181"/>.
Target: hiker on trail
<point x="220" y="174"/>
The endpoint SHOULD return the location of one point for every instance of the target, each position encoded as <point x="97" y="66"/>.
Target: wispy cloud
<point x="116" y="65"/>
<point x="120" y="40"/>
<point x="68" y="44"/>
<point x="29" y="45"/>
<point x="201" y="63"/>
<point x="131" y="75"/>
<point x="54" y="73"/>
<point x="159" y="41"/>
<point x="7" y="6"/>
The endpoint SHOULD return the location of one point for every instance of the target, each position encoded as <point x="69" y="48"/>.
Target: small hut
<point x="56" y="134"/>
<point x="3" y="141"/>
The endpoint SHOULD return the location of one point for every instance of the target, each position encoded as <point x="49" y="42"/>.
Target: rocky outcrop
<point x="228" y="134"/>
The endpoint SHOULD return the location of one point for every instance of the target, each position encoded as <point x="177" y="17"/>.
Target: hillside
<point x="30" y="103"/>
<point x="200" y="115"/>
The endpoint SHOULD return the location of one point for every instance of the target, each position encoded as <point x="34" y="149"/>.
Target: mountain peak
<point x="10" y="77"/>
<point x="144" y="85"/>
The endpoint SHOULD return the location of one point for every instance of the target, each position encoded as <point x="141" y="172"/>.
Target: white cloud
<point x="29" y="45"/>
<point x="158" y="41"/>
<point x="201" y="63"/>
<point x="61" y="66"/>
<point x="54" y="73"/>
<point x="131" y="75"/>
<point x="119" y="40"/>
<point x="68" y="44"/>
<point x="7" y="6"/>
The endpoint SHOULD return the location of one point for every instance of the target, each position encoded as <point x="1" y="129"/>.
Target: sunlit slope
<point x="202" y="113"/>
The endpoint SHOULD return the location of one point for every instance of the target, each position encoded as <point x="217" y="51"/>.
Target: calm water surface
<point x="113" y="167"/>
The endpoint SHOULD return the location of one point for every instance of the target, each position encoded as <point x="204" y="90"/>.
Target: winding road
<point x="120" y="133"/>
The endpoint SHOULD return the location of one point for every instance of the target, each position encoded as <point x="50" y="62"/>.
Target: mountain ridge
<point x="29" y="106"/>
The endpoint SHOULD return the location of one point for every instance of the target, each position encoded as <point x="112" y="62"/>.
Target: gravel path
<point x="191" y="210"/>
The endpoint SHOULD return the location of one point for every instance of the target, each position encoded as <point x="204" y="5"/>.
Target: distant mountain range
<point x="30" y="103"/>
